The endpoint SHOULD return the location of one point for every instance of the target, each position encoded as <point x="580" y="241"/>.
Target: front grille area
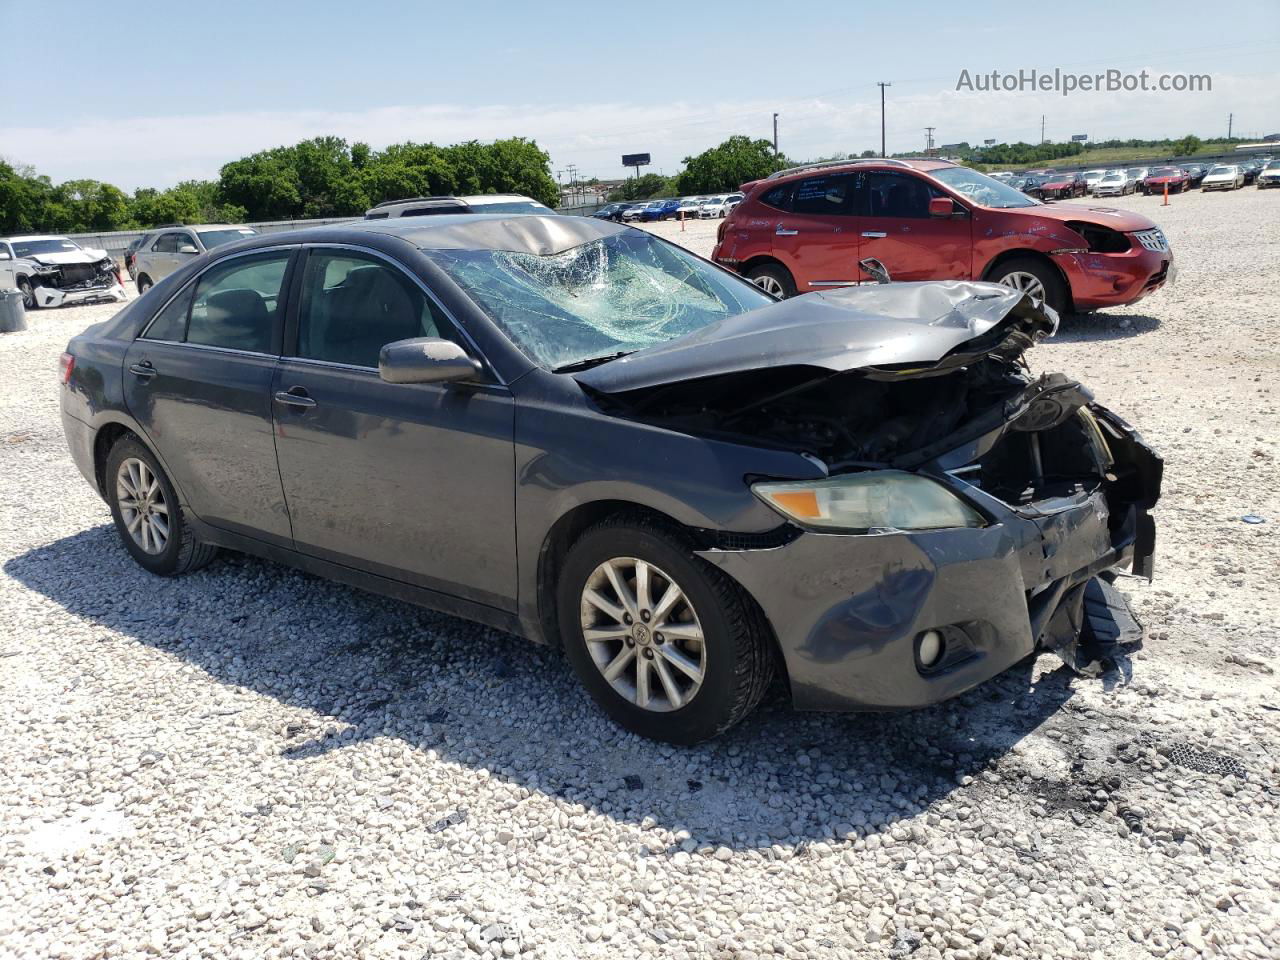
<point x="1153" y="240"/>
<point x="74" y="274"/>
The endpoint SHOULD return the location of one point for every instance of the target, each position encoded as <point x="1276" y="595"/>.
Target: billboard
<point x="635" y="160"/>
<point x="1079" y="137"/>
<point x="988" y="143"/>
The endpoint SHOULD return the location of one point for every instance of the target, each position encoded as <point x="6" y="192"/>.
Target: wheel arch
<point x="1019" y="253"/>
<point x="573" y="524"/>
<point x="106" y="437"/>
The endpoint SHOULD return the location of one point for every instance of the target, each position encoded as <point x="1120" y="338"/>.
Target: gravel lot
<point x="249" y="762"/>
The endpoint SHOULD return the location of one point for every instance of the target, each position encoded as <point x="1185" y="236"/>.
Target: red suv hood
<point x="1123" y="220"/>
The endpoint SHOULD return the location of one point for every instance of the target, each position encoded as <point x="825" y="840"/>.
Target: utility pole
<point x="928" y="141"/>
<point x="882" y="85"/>
<point x="775" y="136"/>
<point x="1042" y="128"/>
<point x="573" y="179"/>
<point x="1230" y="118"/>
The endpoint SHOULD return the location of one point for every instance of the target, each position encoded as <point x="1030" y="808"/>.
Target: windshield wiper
<point x="589" y="362"/>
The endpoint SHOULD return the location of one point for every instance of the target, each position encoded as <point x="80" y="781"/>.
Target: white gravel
<point x="252" y="763"/>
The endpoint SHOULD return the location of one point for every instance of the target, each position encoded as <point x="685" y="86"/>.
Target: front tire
<point x="1036" y="278"/>
<point x="28" y="294"/>
<point x="773" y="278"/>
<point x="143" y="283"/>
<point x="666" y="644"/>
<point x="147" y="513"/>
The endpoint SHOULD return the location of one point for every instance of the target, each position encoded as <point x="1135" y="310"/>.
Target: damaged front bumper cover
<point x="98" y="293"/>
<point x="849" y="611"/>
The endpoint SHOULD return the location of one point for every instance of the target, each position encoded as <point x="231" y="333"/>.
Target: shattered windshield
<point x="613" y="295"/>
<point x="983" y="190"/>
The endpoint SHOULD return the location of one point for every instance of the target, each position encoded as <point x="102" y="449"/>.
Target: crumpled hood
<point x="1125" y="221"/>
<point x="889" y="330"/>
<point x="68" y="256"/>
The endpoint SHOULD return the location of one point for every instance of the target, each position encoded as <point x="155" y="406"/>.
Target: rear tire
<point x="147" y="513"/>
<point x="773" y="278"/>
<point x="720" y="663"/>
<point x="1020" y="272"/>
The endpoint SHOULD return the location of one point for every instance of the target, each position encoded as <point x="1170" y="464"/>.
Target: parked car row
<point x="1176" y="178"/>
<point x="688" y="208"/>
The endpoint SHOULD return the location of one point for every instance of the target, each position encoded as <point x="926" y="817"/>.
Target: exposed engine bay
<point x="56" y="283"/>
<point x="1020" y="439"/>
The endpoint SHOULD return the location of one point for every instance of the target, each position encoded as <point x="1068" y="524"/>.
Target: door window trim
<point x="293" y="318"/>
<point x="282" y="311"/>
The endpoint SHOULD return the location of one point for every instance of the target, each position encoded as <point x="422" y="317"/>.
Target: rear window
<point x="779" y="197"/>
<point x="215" y="238"/>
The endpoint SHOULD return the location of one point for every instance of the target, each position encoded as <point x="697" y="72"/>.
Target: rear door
<point x="413" y="481"/>
<point x="198" y="381"/>
<point x="814" y="234"/>
<point x="895" y="228"/>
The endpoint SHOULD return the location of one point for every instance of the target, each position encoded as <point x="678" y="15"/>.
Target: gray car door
<point x="198" y="381"/>
<point x="409" y="481"/>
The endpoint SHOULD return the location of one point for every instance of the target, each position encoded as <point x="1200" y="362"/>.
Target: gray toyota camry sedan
<point x="577" y="432"/>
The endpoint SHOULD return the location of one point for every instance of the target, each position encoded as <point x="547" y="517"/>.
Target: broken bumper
<point x="848" y="611"/>
<point x="1116" y="279"/>
<point x="56" y="297"/>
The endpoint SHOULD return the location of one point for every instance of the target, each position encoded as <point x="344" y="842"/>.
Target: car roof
<point x="538" y="234"/>
<point x="36" y="236"/>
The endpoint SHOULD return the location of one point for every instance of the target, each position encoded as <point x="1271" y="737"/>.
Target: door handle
<point x="144" y="370"/>
<point x="872" y="234"/>
<point x="291" y="399"/>
<point x="784" y="232"/>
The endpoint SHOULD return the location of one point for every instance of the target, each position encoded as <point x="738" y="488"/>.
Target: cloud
<point x="160" y="151"/>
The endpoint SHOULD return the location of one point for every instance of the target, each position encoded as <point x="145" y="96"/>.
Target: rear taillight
<point x="66" y="364"/>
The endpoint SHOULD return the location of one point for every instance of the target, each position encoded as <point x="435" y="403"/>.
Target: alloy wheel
<point x="142" y="505"/>
<point x="643" y="634"/>
<point x="769" y="284"/>
<point x="1027" y="283"/>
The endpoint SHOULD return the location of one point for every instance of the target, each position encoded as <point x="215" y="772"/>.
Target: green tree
<point x="1187" y="146"/>
<point x="643" y="188"/>
<point x="728" y="166"/>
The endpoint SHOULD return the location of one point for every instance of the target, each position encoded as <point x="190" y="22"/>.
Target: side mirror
<point x="188" y="248"/>
<point x="878" y="271"/>
<point x="425" y="360"/>
<point x="941" y="207"/>
<point x="4" y="255"/>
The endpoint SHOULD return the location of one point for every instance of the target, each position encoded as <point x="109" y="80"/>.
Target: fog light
<point x="929" y="648"/>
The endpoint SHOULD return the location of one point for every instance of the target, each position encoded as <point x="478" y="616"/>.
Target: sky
<point x="158" y="93"/>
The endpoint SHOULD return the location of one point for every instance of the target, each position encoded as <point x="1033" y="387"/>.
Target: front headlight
<point x="861" y="502"/>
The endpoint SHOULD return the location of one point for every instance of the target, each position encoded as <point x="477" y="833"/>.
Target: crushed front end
<point x="970" y="513"/>
<point x="94" y="280"/>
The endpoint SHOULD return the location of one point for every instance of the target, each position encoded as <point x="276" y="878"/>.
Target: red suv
<point x="809" y="228"/>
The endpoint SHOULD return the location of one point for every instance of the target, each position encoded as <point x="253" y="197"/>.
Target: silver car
<point x="164" y="251"/>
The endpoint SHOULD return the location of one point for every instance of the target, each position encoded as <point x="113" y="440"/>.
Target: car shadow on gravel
<point x="1083" y="327"/>
<point x="354" y="666"/>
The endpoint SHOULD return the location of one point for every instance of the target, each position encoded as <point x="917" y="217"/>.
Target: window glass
<point x="613" y="295"/>
<point x="778" y="197"/>
<point x="822" y="195"/>
<point x="353" y="305"/>
<point x="168" y="243"/>
<point x="236" y="303"/>
<point x="216" y="238"/>
<point x="171" y="322"/>
<point x="893" y="194"/>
